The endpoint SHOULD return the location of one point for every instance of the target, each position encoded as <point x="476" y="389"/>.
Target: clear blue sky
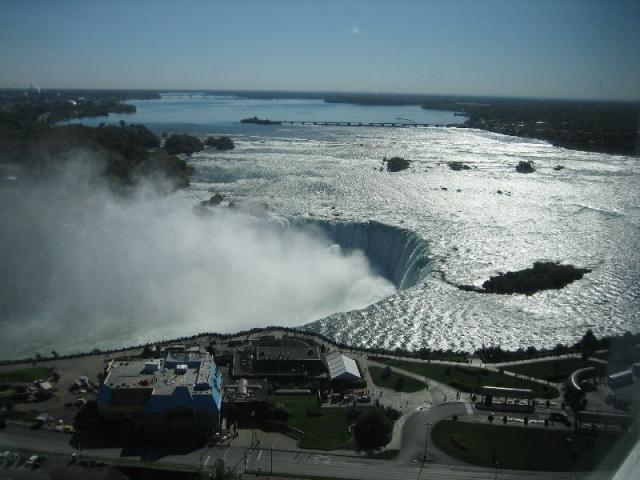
<point x="548" y="48"/>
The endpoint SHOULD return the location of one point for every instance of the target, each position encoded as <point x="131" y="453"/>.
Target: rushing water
<point x="587" y="214"/>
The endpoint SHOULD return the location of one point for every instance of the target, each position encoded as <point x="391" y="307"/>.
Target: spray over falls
<point x="398" y="254"/>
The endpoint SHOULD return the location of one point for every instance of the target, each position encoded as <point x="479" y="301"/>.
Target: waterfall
<point x="398" y="254"/>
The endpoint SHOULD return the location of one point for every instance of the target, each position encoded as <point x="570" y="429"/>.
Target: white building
<point x="342" y="368"/>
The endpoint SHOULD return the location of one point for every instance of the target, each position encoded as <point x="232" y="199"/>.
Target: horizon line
<point x="331" y="92"/>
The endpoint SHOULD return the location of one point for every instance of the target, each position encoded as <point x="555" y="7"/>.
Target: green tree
<point x="589" y="344"/>
<point x="372" y="430"/>
<point x="398" y="387"/>
<point x="182" y="143"/>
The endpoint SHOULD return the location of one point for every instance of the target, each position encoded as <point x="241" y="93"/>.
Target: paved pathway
<point x="447" y="390"/>
<point x="436" y="393"/>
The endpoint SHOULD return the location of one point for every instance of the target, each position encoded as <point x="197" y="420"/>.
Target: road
<point x="414" y="433"/>
<point x="259" y="460"/>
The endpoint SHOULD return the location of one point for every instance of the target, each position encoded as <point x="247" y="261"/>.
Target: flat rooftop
<point x="287" y="353"/>
<point x="186" y="357"/>
<point x="124" y="375"/>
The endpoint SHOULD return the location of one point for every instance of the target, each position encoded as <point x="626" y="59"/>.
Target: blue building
<point x="181" y="392"/>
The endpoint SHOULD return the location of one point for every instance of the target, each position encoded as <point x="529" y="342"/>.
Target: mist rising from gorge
<point x="82" y="267"/>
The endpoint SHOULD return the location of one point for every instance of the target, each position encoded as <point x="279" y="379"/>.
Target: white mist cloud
<point x="355" y="30"/>
<point x="82" y="268"/>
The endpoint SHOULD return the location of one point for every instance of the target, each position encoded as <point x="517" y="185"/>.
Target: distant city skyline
<point x="584" y="49"/>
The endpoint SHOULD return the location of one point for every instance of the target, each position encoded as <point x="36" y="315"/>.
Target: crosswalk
<point x="468" y="406"/>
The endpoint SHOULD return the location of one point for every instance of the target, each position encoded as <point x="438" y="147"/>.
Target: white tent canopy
<point x="342" y="367"/>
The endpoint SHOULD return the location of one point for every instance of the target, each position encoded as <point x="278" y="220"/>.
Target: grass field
<point x="555" y="370"/>
<point x="330" y="430"/>
<point x="530" y="448"/>
<point x="25" y="374"/>
<point x="396" y="381"/>
<point x="469" y="379"/>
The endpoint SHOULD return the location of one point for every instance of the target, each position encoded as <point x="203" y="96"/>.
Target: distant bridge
<point x="363" y="124"/>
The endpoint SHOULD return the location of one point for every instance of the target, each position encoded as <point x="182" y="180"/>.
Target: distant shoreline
<point x="601" y="126"/>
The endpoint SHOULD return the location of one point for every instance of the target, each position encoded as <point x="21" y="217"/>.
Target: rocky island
<point x="220" y="143"/>
<point x="260" y="121"/>
<point x="525" y="167"/>
<point x="183" y="143"/>
<point x="396" y="164"/>
<point x="457" y="166"/>
<point x="542" y="276"/>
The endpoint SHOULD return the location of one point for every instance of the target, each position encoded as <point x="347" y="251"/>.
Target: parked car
<point x="34" y="461"/>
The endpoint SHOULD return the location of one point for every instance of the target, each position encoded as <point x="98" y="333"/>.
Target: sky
<point x="541" y="48"/>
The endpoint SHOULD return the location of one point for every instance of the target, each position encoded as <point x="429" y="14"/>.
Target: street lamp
<point x="494" y="457"/>
<point x="426" y="440"/>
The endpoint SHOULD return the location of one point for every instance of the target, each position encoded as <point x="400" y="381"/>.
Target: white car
<point x="34" y="461"/>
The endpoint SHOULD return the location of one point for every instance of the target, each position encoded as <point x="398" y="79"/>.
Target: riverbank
<point x="494" y="354"/>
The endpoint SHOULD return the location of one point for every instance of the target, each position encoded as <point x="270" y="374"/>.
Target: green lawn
<point x="330" y="430"/>
<point x="556" y="370"/>
<point x="396" y="381"/>
<point x="25" y="374"/>
<point x="469" y="379"/>
<point x="530" y="448"/>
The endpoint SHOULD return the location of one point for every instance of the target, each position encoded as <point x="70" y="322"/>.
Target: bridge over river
<point x="357" y="124"/>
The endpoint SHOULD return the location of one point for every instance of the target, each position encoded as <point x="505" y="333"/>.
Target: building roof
<point x="191" y="381"/>
<point x="507" y="392"/>
<point x="191" y="359"/>
<point x="287" y="353"/>
<point x="342" y="367"/>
